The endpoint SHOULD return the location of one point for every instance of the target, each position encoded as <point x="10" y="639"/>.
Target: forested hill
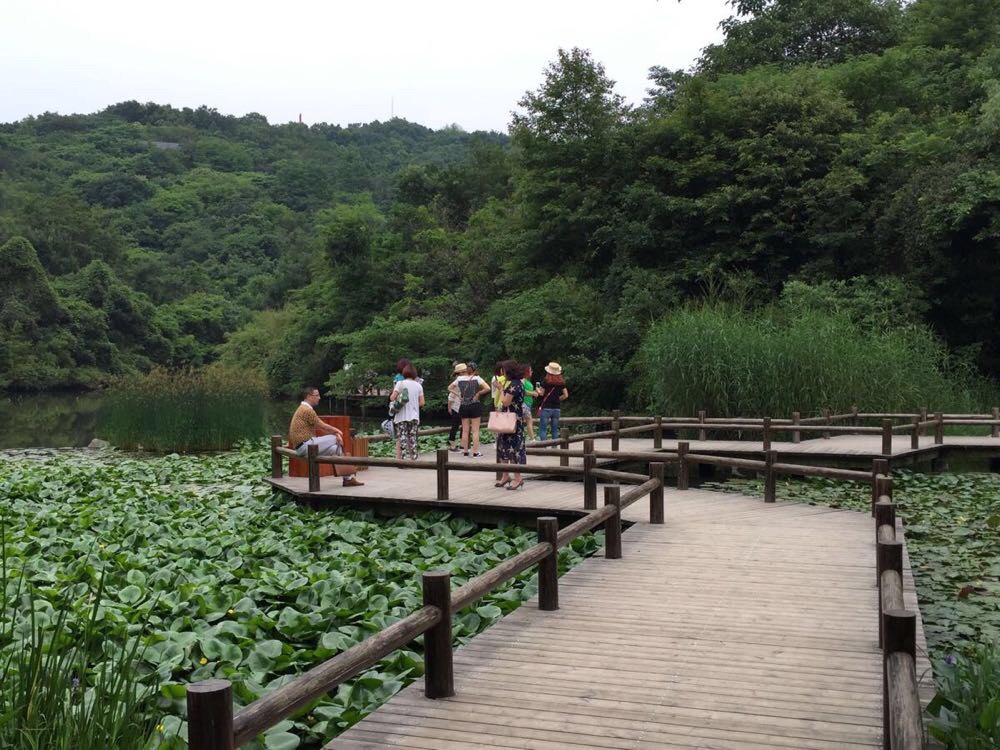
<point x="852" y="147"/>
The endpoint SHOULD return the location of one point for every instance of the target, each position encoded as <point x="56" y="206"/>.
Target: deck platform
<point x="736" y="624"/>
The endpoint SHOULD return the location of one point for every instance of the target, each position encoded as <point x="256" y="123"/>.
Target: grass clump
<point x="182" y="411"/>
<point x="733" y="361"/>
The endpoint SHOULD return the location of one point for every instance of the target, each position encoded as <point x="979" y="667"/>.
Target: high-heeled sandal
<point x="517" y="486"/>
<point x="501" y="484"/>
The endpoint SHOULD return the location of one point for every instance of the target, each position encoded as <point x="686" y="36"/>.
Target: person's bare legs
<point x="466" y="423"/>
<point x="474" y="426"/>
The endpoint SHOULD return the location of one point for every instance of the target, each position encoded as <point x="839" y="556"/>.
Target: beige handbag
<point x="502" y="422"/>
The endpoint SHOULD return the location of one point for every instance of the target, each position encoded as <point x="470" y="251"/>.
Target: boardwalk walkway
<point x="737" y="624"/>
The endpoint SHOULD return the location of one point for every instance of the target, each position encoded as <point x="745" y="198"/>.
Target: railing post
<point x="883" y="486"/>
<point x="888" y="556"/>
<point x="827" y="421"/>
<point x="995" y="427"/>
<point x="915" y="434"/>
<point x="879" y="466"/>
<point x="613" y="526"/>
<point x="616" y="425"/>
<point x="796" y="435"/>
<point x="210" y="715"/>
<point x="938" y="428"/>
<point x="886" y="437"/>
<point x="656" y="471"/>
<point x="767" y="433"/>
<point x="564" y="445"/>
<point x="589" y="480"/>
<point x="277" y="468"/>
<point x="439" y="673"/>
<point x="312" y="453"/>
<point x="923" y="418"/>
<point x="658" y="434"/>
<point x="548" y="569"/>
<point x="683" y="470"/>
<point x="770" y="480"/>
<point x="702" y="435"/>
<point x="442" y="473"/>
<point x="854" y="415"/>
<point x="885" y="515"/>
<point x="899" y="629"/>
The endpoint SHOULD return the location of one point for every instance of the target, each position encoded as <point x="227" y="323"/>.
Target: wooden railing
<point x="902" y="725"/>
<point x="212" y="724"/>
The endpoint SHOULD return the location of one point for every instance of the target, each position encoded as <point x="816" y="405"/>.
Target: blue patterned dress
<point x="510" y="447"/>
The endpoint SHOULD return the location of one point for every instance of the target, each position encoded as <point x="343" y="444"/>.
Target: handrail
<point x="213" y="726"/>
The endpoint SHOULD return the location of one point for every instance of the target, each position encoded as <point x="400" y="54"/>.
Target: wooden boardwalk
<point x="737" y="624"/>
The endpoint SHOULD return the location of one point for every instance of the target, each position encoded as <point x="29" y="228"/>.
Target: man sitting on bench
<point x="305" y="423"/>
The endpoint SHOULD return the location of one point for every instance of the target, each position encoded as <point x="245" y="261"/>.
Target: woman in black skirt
<point x="510" y="446"/>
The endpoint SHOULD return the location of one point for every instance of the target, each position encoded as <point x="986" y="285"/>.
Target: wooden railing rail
<point x="902" y="726"/>
<point x="212" y="724"/>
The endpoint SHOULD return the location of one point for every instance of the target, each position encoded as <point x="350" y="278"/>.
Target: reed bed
<point x="184" y="411"/>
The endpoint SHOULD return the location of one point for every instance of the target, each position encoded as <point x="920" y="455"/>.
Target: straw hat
<point x="553" y="368"/>
<point x="460" y="368"/>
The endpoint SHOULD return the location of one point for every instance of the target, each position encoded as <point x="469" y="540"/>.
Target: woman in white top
<point x="454" y="409"/>
<point x="470" y="388"/>
<point x="407" y="417"/>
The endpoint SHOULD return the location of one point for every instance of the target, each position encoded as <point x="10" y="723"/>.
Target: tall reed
<point x="184" y="410"/>
<point x="731" y="361"/>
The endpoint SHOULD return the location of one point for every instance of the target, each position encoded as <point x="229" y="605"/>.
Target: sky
<point x="435" y="62"/>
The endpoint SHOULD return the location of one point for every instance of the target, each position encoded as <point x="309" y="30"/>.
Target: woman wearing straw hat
<point x="470" y="388"/>
<point x="454" y="407"/>
<point x="553" y="392"/>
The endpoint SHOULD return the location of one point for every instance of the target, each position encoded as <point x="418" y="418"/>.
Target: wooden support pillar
<point x="589" y="480"/>
<point x="548" y="570"/>
<point x="564" y="445"/>
<point x="923" y="418"/>
<point x="442" y="473"/>
<point x="995" y="427"/>
<point x="210" y="715"/>
<point x="886" y="437"/>
<point x="616" y="425"/>
<point x="770" y="480"/>
<point x="796" y="435"/>
<point x="658" y="434"/>
<point x="702" y="434"/>
<point x="915" y="434"/>
<point x="827" y="421"/>
<point x="277" y="468"/>
<point x="767" y="434"/>
<point x="938" y="428"/>
<point x="656" y="510"/>
<point x="683" y="470"/>
<point x="613" y="526"/>
<point x="439" y="672"/>
<point x="312" y="453"/>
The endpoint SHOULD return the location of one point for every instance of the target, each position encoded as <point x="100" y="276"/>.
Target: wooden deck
<point x="737" y="624"/>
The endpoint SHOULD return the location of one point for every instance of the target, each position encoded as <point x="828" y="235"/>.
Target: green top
<point x="529" y="393"/>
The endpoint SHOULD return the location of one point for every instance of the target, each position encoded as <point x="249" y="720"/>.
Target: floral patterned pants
<point x="406" y="433"/>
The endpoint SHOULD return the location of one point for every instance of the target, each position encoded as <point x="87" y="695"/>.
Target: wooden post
<point x="210" y="715"/>
<point x="767" y="434"/>
<point x="995" y="427"/>
<point x="827" y="421"/>
<point x="442" y="473"/>
<point x="683" y="470"/>
<point x="548" y="570"/>
<point x="613" y="526"/>
<point x="879" y="466"/>
<point x="923" y="418"/>
<point x="656" y="471"/>
<point x="883" y="487"/>
<point x="277" y="468"/>
<point x="702" y="435"/>
<point x="899" y="635"/>
<point x="796" y="435"/>
<point x="888" y="556"/>
<point x="938" y="428"/>
<point x="564" y="445"/>
<point x="616" y="425"/>
<point x="854" y="415"/>
<point x="886" y="437"/>
<point x="439" y="673"/>
<point x="885" y="515"/>
<point x="770" y="458"/>
<point x="915" y="434"/>
<point x="658" y="434"/>
<point x="589" y="480"/>
<point x="312" y="453"/>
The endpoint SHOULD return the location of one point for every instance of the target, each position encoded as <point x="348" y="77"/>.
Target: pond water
<point x="69" y="420"/>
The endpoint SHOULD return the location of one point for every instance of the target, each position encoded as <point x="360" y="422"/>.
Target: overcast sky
<point x="434" y="62"/>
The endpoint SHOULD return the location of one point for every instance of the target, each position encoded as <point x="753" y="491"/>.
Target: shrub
<point x="966" y="709"/>
<point x="773" y="361"/>
<point x="184" y="410"/>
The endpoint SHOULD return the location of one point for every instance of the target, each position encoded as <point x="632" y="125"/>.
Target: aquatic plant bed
<point x="218" y="577"/>
<point x="952" y="527"/>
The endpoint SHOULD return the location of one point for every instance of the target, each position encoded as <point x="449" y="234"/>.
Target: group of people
<point x="511" y="389"/>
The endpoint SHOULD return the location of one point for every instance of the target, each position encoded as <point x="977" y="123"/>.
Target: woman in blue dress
<point x="510" y="446"/>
